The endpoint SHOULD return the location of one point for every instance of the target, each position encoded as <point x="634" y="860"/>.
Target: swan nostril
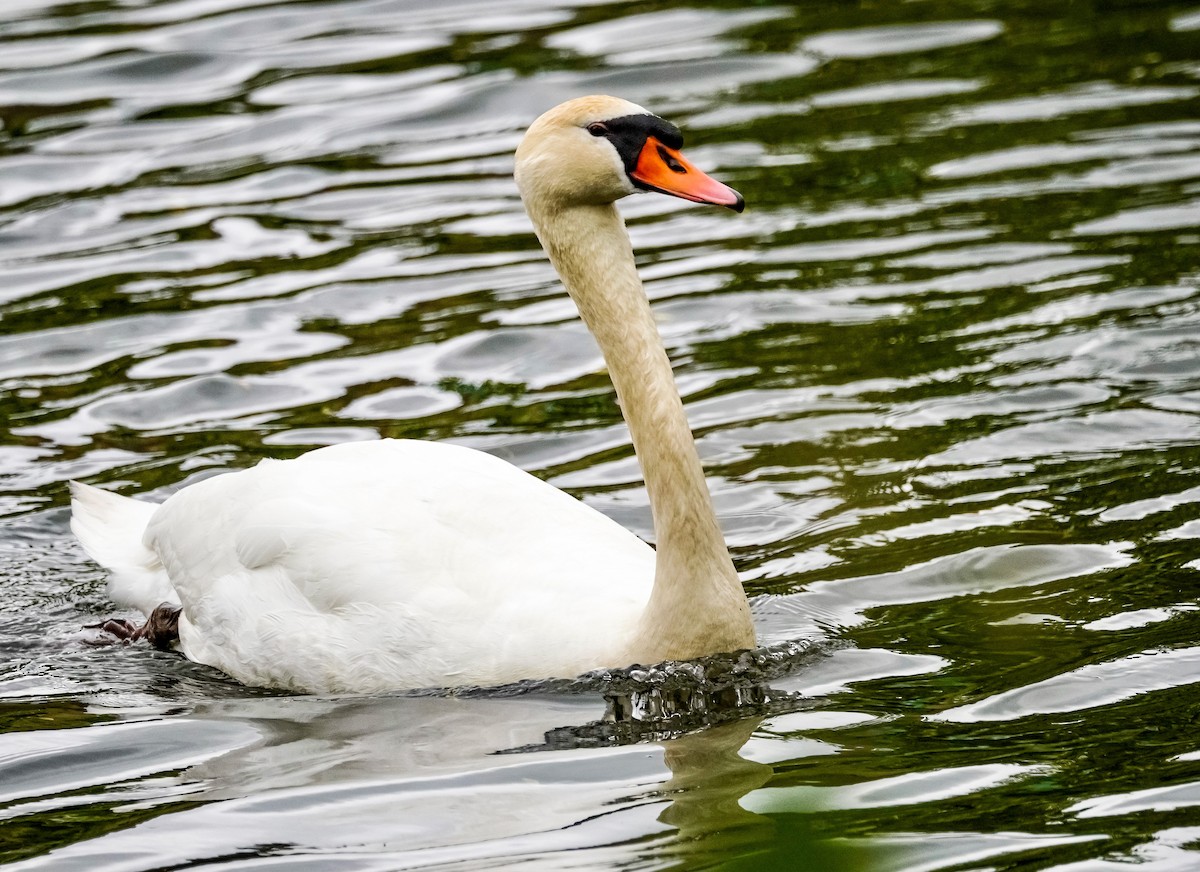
<point x="669" y="159"/>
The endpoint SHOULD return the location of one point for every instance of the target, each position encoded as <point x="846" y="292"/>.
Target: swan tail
<point x="111" y="529"/>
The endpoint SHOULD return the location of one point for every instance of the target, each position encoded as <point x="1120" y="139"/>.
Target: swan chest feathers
<point x="398" y="563"/>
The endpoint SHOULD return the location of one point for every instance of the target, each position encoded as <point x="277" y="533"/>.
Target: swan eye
<point x="597" y="129"/>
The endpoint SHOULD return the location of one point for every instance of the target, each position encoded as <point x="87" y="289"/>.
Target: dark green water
<point x="944" y="373"/>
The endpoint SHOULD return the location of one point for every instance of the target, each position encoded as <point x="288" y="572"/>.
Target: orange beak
<point x="664" y="169"/>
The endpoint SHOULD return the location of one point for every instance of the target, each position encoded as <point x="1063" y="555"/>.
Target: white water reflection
<point x="404" y="781"/>
<point x="1095" y="684"/>
<point x="874" y="42"/>
<point x="908" y="789"/>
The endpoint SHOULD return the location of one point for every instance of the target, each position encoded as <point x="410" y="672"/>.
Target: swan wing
<point x="398" y="563"/>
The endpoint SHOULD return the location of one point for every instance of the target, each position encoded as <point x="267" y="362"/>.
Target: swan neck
<point x="697" y="605"/>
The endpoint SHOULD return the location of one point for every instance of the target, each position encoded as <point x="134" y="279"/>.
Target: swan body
<point x="403" y="564"/>
<point x="360" y="550"/>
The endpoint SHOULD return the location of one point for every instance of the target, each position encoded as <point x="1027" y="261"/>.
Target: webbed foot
<point x="114" y="631"/>
<point x="161" y="629"/>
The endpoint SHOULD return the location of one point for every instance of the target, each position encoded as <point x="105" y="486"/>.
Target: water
<point x="944" y="373"/>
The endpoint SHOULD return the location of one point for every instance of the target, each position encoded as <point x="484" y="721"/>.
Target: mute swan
<point x="403" y="564"/>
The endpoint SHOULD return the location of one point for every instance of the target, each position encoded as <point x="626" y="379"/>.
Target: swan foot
<point x="113" y="631"/>
<point x="161" y="629"/>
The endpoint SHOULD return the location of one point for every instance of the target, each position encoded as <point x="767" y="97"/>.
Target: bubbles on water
<point x="668" y="699"/>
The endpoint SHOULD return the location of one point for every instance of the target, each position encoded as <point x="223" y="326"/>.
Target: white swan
<point x="403" y="564"/>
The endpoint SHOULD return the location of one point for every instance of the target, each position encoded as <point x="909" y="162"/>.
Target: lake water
<point x="944" y="373"/>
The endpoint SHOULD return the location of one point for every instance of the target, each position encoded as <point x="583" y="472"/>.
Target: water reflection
<point x="709" y="778"/>
<point x="398" y="779"/>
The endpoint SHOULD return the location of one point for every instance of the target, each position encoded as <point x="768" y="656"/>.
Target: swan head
<point x="595" y="150"/>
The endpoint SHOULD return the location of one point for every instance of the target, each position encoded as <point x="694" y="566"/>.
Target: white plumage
<point x="398" y="563"/>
